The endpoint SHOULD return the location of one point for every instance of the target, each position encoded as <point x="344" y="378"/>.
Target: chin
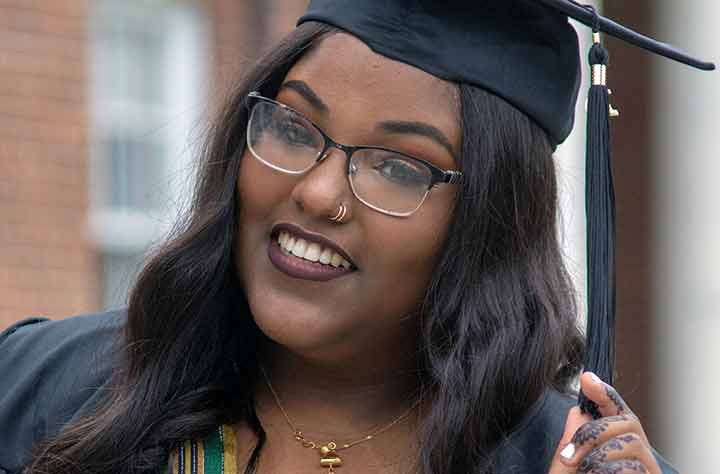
<point x="298" y="325"/>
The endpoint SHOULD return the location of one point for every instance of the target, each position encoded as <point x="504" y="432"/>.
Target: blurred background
<point x="102" y="108"/>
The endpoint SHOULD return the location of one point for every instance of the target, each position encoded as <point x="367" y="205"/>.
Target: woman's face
<point x="351" y="93"/>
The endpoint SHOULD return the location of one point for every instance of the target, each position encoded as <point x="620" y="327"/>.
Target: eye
<point x="293" y="132"/>
<point x="403" y="172"/>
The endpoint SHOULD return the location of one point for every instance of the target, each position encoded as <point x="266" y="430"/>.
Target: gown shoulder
<point x="51" y="371"/>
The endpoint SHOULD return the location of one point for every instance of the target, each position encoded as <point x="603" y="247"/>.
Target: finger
<point x="595" y="433"/>
<point x="629" y="446"/>
<point x="575" y="420"/>
<point x="608" y="401"/>
<point x="626" y="466"/>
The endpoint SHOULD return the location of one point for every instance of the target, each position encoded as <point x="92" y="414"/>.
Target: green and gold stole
<point x="214" y="454"/>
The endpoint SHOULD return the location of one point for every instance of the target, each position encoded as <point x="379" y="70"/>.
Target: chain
<point x="331" y="446"/>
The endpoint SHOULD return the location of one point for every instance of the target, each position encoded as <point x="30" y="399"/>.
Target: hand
<point x="613" y="444"/>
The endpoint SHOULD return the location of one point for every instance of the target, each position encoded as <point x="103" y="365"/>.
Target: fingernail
<point x="568" y="452"/>
<point x="595" y="378"/>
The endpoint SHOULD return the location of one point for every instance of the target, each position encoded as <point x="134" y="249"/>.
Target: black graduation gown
<point x="51" y="372"/>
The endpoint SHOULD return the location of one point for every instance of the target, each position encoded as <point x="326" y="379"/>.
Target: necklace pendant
<point x="330" y="458"/>
<point x="333" y="461"/>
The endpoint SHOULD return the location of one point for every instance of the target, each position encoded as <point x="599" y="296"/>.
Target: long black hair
<point x="498" y="319"/>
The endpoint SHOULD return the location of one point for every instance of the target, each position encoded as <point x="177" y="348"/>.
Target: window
<point x="147" y="76"/>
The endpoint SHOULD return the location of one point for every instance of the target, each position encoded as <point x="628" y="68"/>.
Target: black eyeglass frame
<point x="438" y="175"/>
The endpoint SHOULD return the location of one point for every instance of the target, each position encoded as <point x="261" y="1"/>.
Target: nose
<point x="322" y="189"/>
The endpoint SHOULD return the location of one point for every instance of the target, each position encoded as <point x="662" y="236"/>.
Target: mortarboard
<point x="526" y="52"/>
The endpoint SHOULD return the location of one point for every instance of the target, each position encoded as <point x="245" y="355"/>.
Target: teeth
<point x="325" y="256"/>
<point x="311" y="251"/>
<point x="299" y="248"/>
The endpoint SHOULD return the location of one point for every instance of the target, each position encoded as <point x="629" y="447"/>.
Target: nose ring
<point x="341" y="214"/>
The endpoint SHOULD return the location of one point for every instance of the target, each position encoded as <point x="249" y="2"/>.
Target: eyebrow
<point x="389" y="126"/>
<point x="418" y="128"/>
<point x="308" y="94"/>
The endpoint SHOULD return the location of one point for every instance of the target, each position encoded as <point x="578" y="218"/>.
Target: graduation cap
<point x="526" y="52"/>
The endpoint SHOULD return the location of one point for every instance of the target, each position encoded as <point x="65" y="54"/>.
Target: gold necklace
<point x="329" y="457"/>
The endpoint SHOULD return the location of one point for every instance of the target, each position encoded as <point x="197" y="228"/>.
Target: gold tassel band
<point x="599" y="75"/>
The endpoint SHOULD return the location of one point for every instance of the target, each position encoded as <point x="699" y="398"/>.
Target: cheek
<point x="260" y="187"/>
<point x="404" y="253"/>
<point x="259" y="191"/>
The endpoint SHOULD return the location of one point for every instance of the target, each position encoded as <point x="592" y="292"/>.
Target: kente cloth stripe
<point x="227" y="434"/>
<point x="215" y="454"/>
<point x="181" y="459"/>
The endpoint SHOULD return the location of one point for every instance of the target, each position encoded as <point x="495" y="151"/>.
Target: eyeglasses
<point x="385" y="180"/>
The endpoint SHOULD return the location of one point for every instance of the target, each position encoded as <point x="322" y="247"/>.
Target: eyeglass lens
<point x="384" y="180"/>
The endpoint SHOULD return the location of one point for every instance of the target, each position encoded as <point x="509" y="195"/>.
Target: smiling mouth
<point x="303" y="258"/>
<point x="310" y="251"/>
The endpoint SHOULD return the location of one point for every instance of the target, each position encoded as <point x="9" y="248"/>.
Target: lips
<point x="305" y="255"/>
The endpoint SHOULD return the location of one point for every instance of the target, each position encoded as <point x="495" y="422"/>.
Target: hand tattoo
<point x="599" y="455"/>
<point x="617" y="400"/>
<point x="618" y="467"/>
<point x="592" y="430"/>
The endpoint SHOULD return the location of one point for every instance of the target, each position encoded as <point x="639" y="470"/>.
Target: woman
<point x="401" y="307"/>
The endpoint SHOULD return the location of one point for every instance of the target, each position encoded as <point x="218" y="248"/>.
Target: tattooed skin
<point x="592" y="430"/>
<point x="616" y="399"/>
<point x="618" y="467"/>
<point x="600" y="455"/>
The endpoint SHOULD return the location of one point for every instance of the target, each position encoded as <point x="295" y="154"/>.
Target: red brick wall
<point x="243" y="30"/>
<point x="47" y="263"/>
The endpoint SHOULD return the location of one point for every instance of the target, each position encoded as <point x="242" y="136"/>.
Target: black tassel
<point x="600" y="210"/>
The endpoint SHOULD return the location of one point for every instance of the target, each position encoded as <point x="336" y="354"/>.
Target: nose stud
<point x="341" y="214"/>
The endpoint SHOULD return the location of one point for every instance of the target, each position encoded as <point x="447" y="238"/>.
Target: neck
<point x="331" y="398"/>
